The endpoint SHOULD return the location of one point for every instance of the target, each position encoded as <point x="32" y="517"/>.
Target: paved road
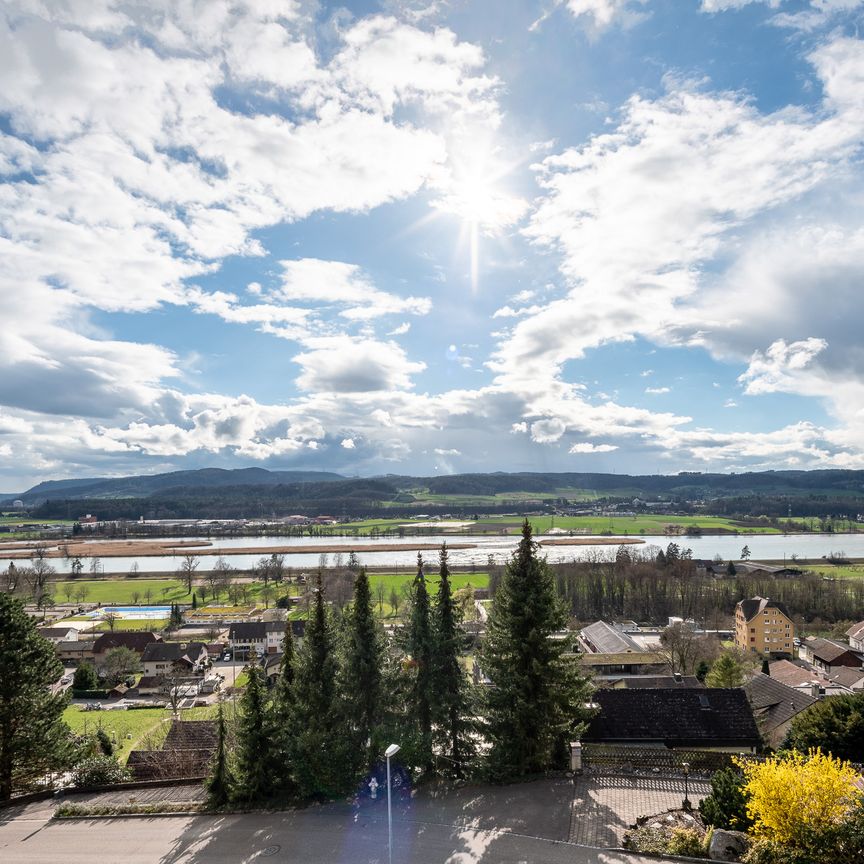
<point x="315" y="836"/>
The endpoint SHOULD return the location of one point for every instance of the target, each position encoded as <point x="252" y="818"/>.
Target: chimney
<point x="678" y="678"/>
<point x="814" y="689"/>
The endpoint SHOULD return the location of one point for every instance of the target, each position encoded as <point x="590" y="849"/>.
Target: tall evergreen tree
<point x="282" y="716"/>
<point x="218" y="783"/>
<point x="535" y="699"/>
<point x="319" y="745"/>
<point x="254" y="762"/>
<point x="34" y="740"/>
<point x="450" y="689"/>
<point x="360" y="679"/>
<point x="419" y="646"/>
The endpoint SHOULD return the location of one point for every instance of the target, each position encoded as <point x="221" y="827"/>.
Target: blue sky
<point x="423" y="237"/>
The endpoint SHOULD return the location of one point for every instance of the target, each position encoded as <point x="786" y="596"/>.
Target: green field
<point x="637" y="524"/>
<point x="143" y="723"/>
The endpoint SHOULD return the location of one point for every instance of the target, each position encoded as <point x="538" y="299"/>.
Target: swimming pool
<point x="142" y="613"/>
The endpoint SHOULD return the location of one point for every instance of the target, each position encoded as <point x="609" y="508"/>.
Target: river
<point x="762" y="547"/>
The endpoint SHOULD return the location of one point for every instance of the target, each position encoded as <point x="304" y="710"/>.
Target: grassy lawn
<point x="120" y="591"/>
<point x="147" y="625"/>
<point x="144" y="723"/>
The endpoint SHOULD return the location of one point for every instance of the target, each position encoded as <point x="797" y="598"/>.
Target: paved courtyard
<point x="605" y="807"/>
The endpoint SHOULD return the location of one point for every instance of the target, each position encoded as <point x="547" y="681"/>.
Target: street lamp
<point x="686" y="766"/>
<point x="391" y="751"/>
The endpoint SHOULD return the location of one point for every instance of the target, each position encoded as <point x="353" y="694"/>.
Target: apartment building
<point x="764" y="626"/>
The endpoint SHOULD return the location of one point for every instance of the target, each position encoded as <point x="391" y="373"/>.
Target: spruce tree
<point x="450" y="689"/>
<point x="419" y="646"/>
<point x="254" y="764"/>
<point x="319" y="749"/>
<point x="218" y="782"/>
<point x="360" y="679"/>
<point x="34" y="740"/>
<point x="536" y="697"/>
<point x="282" y="716"/>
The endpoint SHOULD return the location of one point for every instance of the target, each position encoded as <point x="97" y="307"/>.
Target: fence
<point x="647" y="761"/>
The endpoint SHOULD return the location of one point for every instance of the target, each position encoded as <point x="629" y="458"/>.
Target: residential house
<point x="628" y="663"/>
<point x="848" y="677"/>
<point x="763" y="626"/>
<point x="169" y="659"/>
<point x="58" y="634"/>
<point x="256" y="637"/>
<point x="134" y="640"/>
<point x="828" y="655"/>
<point x="693" y="718"/>
<point x="74" y="651"/>
<point x="658" y="682"/>
<point x="775" y="706"/>
<point x="856" y="636"/>
<point x="807" y="678"/>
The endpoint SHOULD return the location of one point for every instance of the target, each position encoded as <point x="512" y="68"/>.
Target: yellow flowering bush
<point x="792" y="797"/>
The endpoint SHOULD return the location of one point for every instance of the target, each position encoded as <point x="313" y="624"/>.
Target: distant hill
<point x="255" y="492"/>
<point x="145" y="485"/>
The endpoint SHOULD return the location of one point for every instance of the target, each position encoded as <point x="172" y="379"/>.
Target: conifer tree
<point x="282" y="716"/>
<point x="419" y="647"/>
<point x="450" y="689"/>
<point x="319" y="752"/>
<point x="535" y="699"/>
<point x="218" y="783"/>
<point x="360" y="678"/>
<point x="254" y="765"/>
<point x="34" y="740"/>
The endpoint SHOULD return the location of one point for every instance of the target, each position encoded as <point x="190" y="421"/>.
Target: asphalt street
<point x="314" y="836"/>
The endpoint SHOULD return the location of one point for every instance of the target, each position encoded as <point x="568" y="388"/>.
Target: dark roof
<point x="54" y="632"/>
<point x="691" y="716"/>
<point x="847" y="676"/>
<point x="752" y="607"/>
<point x="173" y="651"/>
<point x="251" y="630"/>
<point x="603" y="638"/>
<point x="829" y="651"/>
<point x="136" y="640"/>
<point x="190" y="734"/>
<point x="774" y="703"/>
<point x="656" y="682"/>
<point x="73" y="645"/>
<point x="628" y="658"/>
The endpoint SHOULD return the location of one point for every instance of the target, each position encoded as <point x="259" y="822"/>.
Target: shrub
<point x="99" y="770"/>
<point x="104" y="742"/>
<point x="726" y="806"/>
<point x="793" y="798"/>
<point x="685" y="841"/>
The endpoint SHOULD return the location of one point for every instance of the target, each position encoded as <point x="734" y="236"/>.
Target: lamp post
<point x="686" y="766"/>
<point x="391" y="751"/>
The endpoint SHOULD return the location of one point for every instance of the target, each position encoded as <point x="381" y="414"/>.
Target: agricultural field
<point x="642" y="524"/>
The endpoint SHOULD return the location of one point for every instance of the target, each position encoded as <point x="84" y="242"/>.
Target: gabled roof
<point x="190" y="734"/>
<point x="795" y="675"/>
<point x="248" y="630"/>
<point x="856" y="631"/>
<point x="136" y="641"/>
<point x="829" y="651"/>
<point x="654" y="682"/>
<point x="173" y="651"/>
<point x="752" y="607"/>
<point x="54" y="632"/>
<point x="695" y="717"/>
<point x="606" y="639"/>
<point x="847" y="676"/>
<point x="775" y="703"/>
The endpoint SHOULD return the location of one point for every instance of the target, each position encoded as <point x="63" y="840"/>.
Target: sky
<point x="430" y="236"/>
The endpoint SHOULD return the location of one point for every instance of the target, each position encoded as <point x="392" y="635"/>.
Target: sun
<point x="475" y="191"/>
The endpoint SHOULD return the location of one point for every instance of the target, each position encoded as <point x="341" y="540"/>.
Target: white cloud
<point x="348" y="443"/>
<point x="340" y="364"/>
<point x="587" y="447"/>
<point x="656" y="391"/>
<point x="774" y="369"/>
<point x="601" y="14"/>
<point x="451" y="452"/>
